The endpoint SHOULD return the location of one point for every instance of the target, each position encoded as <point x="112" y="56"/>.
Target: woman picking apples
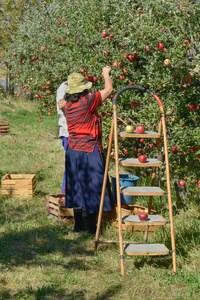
<point x="85" y="160"/>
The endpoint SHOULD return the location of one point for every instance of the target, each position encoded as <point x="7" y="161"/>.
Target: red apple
<point x="120" y="65"/>
<point x="126" y="151"/>
<point x="142" y="158"/>
<point x="140" y="129"/>
<point x="51" y="107"/>
<point x="39" y="120"/>
<point x="181" y="182"/>
<point x="59" y="23"/>
<point x="49" y="113"/>
<point x="193" y="149"/>
<point x="125" y="54"/>
<point x="139" y="150"/>
<point x="14" y="54"/>
<point x="143" y="216"/>
<point x="21" y="62"/>
<point x="147" y="48"/>
<point x="103" y="34"/>
<point x="25" y="140"/>
<point x="126" y="71"/>
<point x="43" y="48"/>
<point x="95" y="79"/>
<point x="148" y="173"/>
<point x="37" y="96"/>
<point x="106" y="53"/>
<point x="18" y="95"/>
<point x="122" y="77"/>
<point x="174" y="149"/>
<point x="141" y="141"/>
<point x="193" y="106"/>
<point x="14" y="141"/>
<point x="160" y="46"/>
<point x="151" y="146"/>
<point x="42" y="87"/>
<point x="129" y="128"/>
<point x="131" y="57"/>
<point x="115" y="64"/>
<point x="187" y="41"/>
<point x="111" y="36"/>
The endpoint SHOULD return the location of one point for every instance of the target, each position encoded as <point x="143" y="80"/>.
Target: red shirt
<point x="84" y="123"/>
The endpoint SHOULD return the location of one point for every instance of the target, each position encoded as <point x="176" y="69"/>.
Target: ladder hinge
<point x="121" y="256"/>
<point x="166" y="192"/>
<point x="172" y="251"/>
<point x="168" y="222"/>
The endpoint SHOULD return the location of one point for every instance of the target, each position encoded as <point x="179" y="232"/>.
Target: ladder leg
<point x="169" y="195"/>
<point x="118" y="190"/>
<point x="104" y="186"/>
<point x="153" y="180"/>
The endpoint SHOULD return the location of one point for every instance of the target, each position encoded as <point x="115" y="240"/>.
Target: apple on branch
<point x="166" y="62"/>
<point x="181" y="182"/>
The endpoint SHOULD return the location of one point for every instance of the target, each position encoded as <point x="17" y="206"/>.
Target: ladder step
<point x="134" y="162"/>
<point x="142" y="191"/>
<point x="134" y="134"/>
<point x="146" y="249"/>
<point x="152" y="220"/>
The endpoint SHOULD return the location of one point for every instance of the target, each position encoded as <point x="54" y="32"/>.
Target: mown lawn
<point x="40" y="259"/>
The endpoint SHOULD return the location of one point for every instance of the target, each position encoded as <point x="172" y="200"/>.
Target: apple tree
<point x="154" y="44"/>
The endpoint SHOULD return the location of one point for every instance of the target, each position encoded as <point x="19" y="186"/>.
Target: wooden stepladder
<point x="135" y="248"/>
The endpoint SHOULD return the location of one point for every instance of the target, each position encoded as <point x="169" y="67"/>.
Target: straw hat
<point x="77" y="84"/>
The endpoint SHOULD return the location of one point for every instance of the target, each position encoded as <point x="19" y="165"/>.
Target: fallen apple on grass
<point x="143" y="216"/>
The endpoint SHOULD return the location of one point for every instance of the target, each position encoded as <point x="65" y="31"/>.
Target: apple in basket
<point x="143" y="216"/>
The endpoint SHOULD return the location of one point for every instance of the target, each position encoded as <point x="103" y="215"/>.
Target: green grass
<point x="40" y="259"/>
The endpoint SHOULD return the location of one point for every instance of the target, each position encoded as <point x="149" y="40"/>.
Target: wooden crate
<point x="18" y="185"/>
<point x="55" y="209"/>
<point x="4" y="127"/>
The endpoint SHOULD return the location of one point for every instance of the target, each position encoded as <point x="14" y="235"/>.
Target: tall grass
<point x="40" y="259"/>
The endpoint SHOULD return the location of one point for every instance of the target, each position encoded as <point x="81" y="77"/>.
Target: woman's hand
<point x="106" y="71"/>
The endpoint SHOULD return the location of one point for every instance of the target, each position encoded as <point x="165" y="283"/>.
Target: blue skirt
<point x="84" y="180"/>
